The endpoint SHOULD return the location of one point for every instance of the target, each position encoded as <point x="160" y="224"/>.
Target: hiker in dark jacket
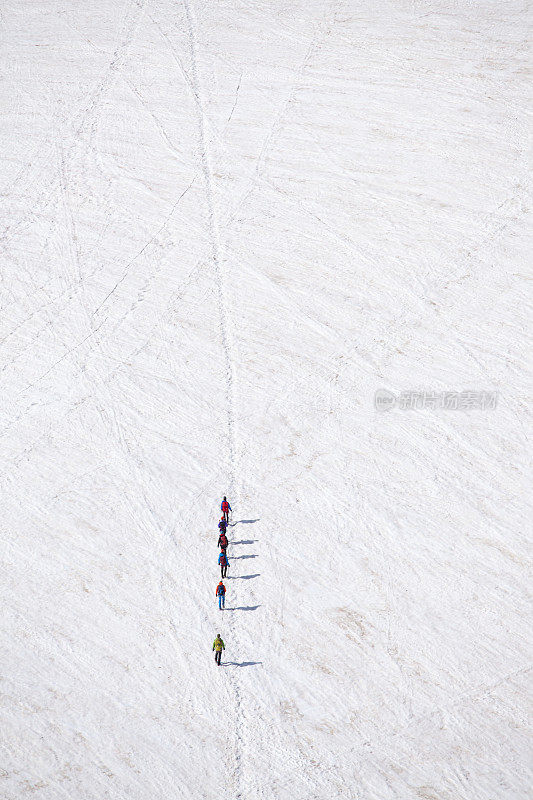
<point x="223" y="542"/>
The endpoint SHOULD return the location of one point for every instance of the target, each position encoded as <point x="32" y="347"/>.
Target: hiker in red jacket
<point x="225" y="508"/>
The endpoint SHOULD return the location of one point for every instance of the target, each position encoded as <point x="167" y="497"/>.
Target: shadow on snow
<point x="244" y="521"/>
<point x="243" y="577"/>
<point x="244" y="608"/>
<point x="241" y="664"/>
<point x="245" y="541"/>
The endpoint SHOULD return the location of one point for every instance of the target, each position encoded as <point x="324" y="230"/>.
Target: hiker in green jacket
<point x="218" y="647"/>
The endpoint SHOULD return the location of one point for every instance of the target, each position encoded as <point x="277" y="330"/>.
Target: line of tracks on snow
<point x="216" y="256"/>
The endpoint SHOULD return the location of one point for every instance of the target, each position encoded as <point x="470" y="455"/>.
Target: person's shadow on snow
<point x="243" y="577"/>
<point x="244" y="608"/>
<point x="245" y="541"/>
<point x="244" y="521"/>
<point x="240" y="664"/>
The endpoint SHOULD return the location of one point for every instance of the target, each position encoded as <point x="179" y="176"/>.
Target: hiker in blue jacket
<point x="222" y="525"/>
<point x="221" y="594"/>
<point x="223" y="563"/>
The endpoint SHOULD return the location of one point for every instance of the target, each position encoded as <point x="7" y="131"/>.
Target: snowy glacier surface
<point x="225" y="225"/>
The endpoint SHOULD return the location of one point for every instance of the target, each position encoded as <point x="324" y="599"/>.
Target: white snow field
<point x="225" y="225"/>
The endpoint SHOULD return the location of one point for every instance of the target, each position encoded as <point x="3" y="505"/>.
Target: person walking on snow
<point x="222" y="525"/>
<point x="223" y="563"/>
<point x="221" y="594"/>
<point x="223" y="541"/>
<point x="225" y="508"/>
<point x="218" y="647"/>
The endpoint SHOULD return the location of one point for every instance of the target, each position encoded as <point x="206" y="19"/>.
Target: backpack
<point x="225" y="505"/>
<point x="223" y="560"/>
